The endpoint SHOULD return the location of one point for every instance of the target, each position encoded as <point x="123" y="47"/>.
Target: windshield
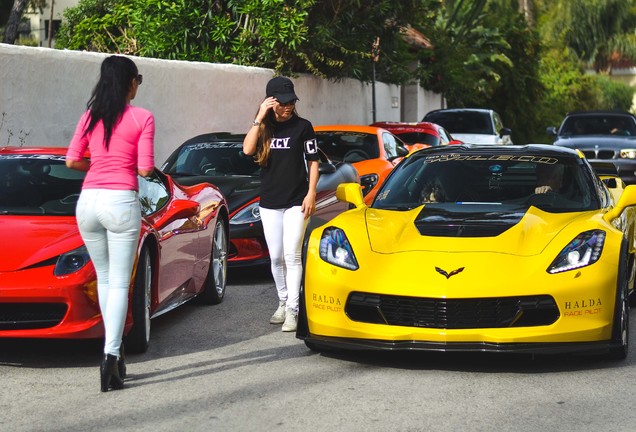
<point x="602" y="124"/>
<point x="212" y="159"/>
<point x="489" y="183"/>
<point x="348" y="146"/>
<point x="38" y="185"/>
<point x="419" y="138"/>
<point x="463" y="122"/>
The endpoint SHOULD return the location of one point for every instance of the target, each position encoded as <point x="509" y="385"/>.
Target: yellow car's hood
<point x="523" y="233"/>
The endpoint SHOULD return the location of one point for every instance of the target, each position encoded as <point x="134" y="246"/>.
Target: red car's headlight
<point x="71" y="262"/>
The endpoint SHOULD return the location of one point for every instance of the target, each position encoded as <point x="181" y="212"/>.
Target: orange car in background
<point x="373" y="151"/>
<point x="419" y="134"/>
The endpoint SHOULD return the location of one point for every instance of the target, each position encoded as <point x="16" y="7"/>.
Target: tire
<point x="138" y="338"/>
<point x="632" y="271"/>
<point x="302" y="329"/>
<point x="312" y="346"/>
<point x="620" y="329"/>
<point x="215" y="284"/>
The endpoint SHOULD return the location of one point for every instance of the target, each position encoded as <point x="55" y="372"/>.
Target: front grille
<point x="600" y="154"/>
<point x="606" y="154"/>
<point x="22" y="316"/>
<point x="498" y="312"/>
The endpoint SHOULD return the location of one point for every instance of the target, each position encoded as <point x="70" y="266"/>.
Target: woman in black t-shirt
<point x="285" y="147"/>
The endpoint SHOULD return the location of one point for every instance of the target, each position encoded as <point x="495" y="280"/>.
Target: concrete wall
<point x="44" y="91"/>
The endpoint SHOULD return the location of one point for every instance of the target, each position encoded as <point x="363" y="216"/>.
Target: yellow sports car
<point x="476" y="248"/>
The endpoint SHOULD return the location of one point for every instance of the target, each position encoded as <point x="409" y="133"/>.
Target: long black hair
<point x="110" y="95"/>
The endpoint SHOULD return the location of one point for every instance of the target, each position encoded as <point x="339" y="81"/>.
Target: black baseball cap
<point x="282" y="89"/>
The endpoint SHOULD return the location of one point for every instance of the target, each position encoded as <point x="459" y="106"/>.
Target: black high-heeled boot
<point x="109" y="374"/>
<point x="121" y="363"/>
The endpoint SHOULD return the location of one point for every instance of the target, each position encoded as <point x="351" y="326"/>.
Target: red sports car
<point x="48" y="287"/>
<point x="420" y="134"/>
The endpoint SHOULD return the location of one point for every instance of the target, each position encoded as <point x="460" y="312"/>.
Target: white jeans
<point x="109" y="222"/>
<point x="284" y="231"/>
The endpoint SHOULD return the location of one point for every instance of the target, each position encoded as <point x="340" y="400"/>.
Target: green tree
<point x="341" y="34"/>
<point x="68" y="33"/>
<point x="598" y="31"/>
<point x="11" y="12"/>
<point x="11" y="30"/>
<point x="519" y="90"/>
<point x="568" y="88"/>
<point x="468" y="56"/>
<point x="579" y="35"/>
<point x="488" y="54"/>
<point x="325" y="37"/>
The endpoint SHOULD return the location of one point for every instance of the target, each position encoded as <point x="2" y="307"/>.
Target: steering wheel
<point x="358" y="155"/>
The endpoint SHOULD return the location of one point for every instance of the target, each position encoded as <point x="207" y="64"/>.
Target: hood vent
<point x="440" y="222"/>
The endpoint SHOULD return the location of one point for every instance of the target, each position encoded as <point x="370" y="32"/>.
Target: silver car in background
<point x="472" y="125"/>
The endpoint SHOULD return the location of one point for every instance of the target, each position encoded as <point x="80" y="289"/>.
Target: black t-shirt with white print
<point x="284" y="181"/>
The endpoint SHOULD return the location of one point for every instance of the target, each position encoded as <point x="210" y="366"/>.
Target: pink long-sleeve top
<point x="131" y="148"/>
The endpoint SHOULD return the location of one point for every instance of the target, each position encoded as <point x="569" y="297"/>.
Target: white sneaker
<point x="279" y="315"/>
<point x="291" y="321"/>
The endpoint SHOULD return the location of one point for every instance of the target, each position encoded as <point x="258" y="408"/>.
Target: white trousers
<point x="284" y="231"/>
<point x="109" y="222"/>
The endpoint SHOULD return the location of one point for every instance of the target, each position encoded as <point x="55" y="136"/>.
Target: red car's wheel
<point x="214" y="287"/>
<point x="139" y="337"/>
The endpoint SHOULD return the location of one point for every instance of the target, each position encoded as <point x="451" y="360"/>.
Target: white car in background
<point x="472" y="125"/>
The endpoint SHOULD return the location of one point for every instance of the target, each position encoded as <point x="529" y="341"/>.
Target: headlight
<point x="335" y="249"/>
<point x="367" y="182"/>
<point x="583" y="251"/>
<point x="628" y="153"/>
<point x="249" y="214"/>
<point x="71" y="262"/>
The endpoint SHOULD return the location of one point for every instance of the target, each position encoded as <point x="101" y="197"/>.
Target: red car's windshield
<point x="38" y="185"/>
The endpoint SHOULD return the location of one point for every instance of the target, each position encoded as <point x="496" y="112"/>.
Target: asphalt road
<point x="225" y="368"/>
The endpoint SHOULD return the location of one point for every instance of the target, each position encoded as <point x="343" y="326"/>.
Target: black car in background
<point x="602" y="136"/>
<point x="218" y="158"/>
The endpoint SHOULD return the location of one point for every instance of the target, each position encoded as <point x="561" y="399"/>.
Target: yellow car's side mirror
<point x="351" y="193"/>
<point x="627" y="199"/>
<point x="610" y="182"/>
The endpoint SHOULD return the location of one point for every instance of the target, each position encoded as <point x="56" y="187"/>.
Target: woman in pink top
<point x="120" y="139"/>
